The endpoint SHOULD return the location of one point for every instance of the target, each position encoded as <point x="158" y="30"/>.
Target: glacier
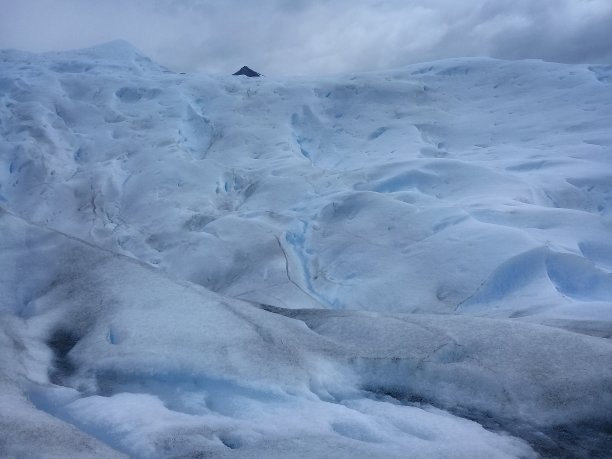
<point x="414" y="262"/>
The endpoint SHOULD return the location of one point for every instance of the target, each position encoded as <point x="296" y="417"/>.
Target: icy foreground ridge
<point x="410" y="263"/>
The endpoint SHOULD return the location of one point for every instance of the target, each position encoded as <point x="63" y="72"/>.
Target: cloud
<point x="315" y="37"/>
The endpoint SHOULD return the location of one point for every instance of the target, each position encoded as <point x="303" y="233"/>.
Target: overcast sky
<point x="283" y="37"/>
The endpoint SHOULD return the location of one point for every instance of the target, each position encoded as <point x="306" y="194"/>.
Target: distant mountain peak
<point x="247" y="72"/>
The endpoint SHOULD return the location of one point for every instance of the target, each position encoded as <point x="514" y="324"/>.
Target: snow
<point x="409" y="263"/>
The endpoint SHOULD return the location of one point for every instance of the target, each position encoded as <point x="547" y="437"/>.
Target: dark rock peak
<point x="247" y="72"/>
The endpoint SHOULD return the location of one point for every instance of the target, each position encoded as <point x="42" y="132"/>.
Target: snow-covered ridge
<point x="296" y="267"/>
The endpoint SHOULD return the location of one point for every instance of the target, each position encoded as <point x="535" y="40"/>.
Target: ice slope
<point x="157" y="367"/>
<point x="303" y="192"/>
<point x="198" y="265"/>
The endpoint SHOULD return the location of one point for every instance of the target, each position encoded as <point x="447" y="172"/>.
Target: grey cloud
<point x="314" y="37"/>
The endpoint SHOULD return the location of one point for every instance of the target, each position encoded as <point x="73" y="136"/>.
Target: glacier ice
<point x="408" y="263"/>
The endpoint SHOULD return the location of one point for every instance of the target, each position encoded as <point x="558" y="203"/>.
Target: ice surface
<point x="410" y="263"/>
